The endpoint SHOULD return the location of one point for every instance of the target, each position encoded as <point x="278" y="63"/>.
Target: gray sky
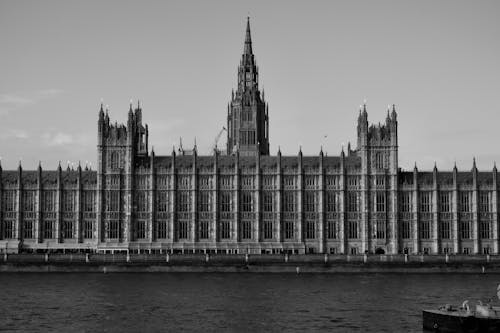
<point x="438" y="61"/>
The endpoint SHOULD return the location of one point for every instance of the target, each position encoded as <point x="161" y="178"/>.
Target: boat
<point x="478" y="318"/>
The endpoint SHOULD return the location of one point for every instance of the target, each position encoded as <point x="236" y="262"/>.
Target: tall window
<point x="379" y="160"/>
<point x="352" y="229"/>
<point x="9" y="201"/>
<point x="332" y="202"/>
<point x="225" y="229"/>
<point x="88" y="201"/>
<point x="48" y="201"/>
<point x="69" y="201"/>
<point x="445" y="229"/>
<point x="485" y="229"/>
<point x="48" y="229"/>
<point x="267" y="198"/>
<point x="380" y="229"/>
<point x="88" y="229"/>
<point x="112" y="201"/>
<point x="380" y="202"/>
<point x="289" y="227"/>
<point x="114" y="229"/>
<point x="141" y="201"/>
<point x="162" y="201"/>
<point x="289" y="202"/>
<point x="115" y="160"/>
<point x="268" y="229"/>
<point x="182" y="229"/>
<point x="310" y="230"/>
<point x="425" y="229"/>
<point x="204" y="229"/>
<point x="352" y="202"/>
<point x="141" y="229"/>
<point x="405" y="202"/>
<point x="29" y="199"/>
<point x="331" y="229"/>
<point x="465" y="202"/>
<point x="204" y="201"/>
<point x="485" y="202"/>
<point x="225" y="201"/>
<point x="465" y="229"/>
<point x="162" y="229"/>
<point x="246" y="201"/>
<point x="28" y="229"/>
<point x="405" y="229"/>
<point x="309" y="201"/>
<point x="246" y="229"/>
<point x="183" y="200"/>
<point x="444" y="202"/>
<point x="425" y="202"/>
<point x="67" y="229"/>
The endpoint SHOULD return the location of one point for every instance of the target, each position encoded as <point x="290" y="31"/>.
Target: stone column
<point x="475" y="211"/>
<point x="300" y="224"/>
<point x="321" y="206"/>
<point x="152" y="227"/>
<point x="1" y="203"/>
<point x="494" y="204"/>
<point x="365" y="212"/>
<point x="435" y="215"/>
<point x="258" y="219"/>
<point x="277" y="206"/>
<point x="456" y="242"/>
<point x="342" y="207"/>
<point x="19" y="206"/>
<point x="38" y="225"/>
<point x="194" y="197"/>
<point x="173" y="202"/>
<point x="78" y="210"/>
<point x="394" y="214"/>
<point x="236" y="197"/>
<point x="59" y="205"/>
<point x="215" y="193"/>
<point x="415" y="213"/>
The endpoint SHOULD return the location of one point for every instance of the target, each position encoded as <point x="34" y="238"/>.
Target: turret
<point x="247" y="116"/>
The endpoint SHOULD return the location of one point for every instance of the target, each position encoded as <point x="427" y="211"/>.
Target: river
<point x="234" y="302"/>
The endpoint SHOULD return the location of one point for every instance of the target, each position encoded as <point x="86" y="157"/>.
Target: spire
<point x="474" y="163"/>
<point x="394" y="114"/>
<point x="248" y="39"/>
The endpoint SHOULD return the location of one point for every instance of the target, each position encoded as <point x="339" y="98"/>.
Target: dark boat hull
<point x="442" y="321"/>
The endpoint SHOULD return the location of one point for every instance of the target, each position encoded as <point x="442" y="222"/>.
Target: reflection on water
<point x="230" y="302"/>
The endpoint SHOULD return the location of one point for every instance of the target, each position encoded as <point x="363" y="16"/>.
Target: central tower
<point x="247" y="113"/>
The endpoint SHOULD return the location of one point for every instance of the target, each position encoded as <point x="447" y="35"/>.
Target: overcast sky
<point x="438" y="61"/>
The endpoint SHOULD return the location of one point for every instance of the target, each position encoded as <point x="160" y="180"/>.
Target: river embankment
<point x="281" y="263"/>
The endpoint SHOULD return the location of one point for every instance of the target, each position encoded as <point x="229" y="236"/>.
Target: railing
<point x="245" y="259"/>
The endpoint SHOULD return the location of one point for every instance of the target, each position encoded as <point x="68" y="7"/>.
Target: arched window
<point x="115" y="160"/>
<point x="379" y="160"/>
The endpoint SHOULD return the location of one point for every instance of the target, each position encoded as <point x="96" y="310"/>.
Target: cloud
<point x="61" y="139"/>
<point x="14" y="134"/>
<point x="14" y="101"/>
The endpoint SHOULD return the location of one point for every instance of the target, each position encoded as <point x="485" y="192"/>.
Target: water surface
<point x="242" y="302"/>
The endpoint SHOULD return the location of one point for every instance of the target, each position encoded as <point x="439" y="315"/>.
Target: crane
<point x="217" y="138"/>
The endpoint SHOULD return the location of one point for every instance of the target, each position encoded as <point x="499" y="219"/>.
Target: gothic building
<point x="245" y="201"/>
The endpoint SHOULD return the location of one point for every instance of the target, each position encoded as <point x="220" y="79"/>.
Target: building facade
<point x="245" y="201"/>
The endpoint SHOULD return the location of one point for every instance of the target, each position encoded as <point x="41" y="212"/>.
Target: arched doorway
<point x="379" y="250"/>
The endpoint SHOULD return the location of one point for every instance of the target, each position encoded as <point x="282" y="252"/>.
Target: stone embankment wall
<point x="106" y="263"/>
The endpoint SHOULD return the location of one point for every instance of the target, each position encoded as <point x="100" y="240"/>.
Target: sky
<point x="437" y="61"/>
